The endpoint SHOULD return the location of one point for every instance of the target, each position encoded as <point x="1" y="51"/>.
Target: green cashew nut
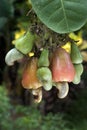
<point x="63" y="89"/>
<point x="12" y="56"/>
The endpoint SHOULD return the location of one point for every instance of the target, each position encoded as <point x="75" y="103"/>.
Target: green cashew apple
<point x="75" y="54"/>
<point x="79" y="71"/>
<point x="45" y="76"/>
<point x="25" y="43"/>
<point x="44" y="58"/>
<point x="61" y="66"/>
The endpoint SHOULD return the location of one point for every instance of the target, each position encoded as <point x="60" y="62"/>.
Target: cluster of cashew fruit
<point x="51" y="69"/>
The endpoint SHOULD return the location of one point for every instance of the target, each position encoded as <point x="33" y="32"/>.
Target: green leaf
<point x="62" y="16"/>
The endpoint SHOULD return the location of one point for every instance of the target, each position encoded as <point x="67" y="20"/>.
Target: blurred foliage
<point x="14" y="117"/>
<point x="77" y="111"/>
<point x="6" y="11"/>
<point x="5" y="108"/>
<point x="28" y="118"/>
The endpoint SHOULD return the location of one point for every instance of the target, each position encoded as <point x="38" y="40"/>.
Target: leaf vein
<point x="62" y="4"/>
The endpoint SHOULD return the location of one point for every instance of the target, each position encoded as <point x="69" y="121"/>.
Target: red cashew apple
<point x="29" y="79"/>
<point x="61" y="66"/>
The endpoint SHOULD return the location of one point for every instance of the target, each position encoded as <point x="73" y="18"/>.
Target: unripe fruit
<point x="75" y="54"/>
<point x="61" y="66"/>
<point x="44" y="58"/>
<point x="29" y="79"/>
<point x="79" y="71"/>
<point x="45" y="76"/>
<point x="25" y="43"/>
